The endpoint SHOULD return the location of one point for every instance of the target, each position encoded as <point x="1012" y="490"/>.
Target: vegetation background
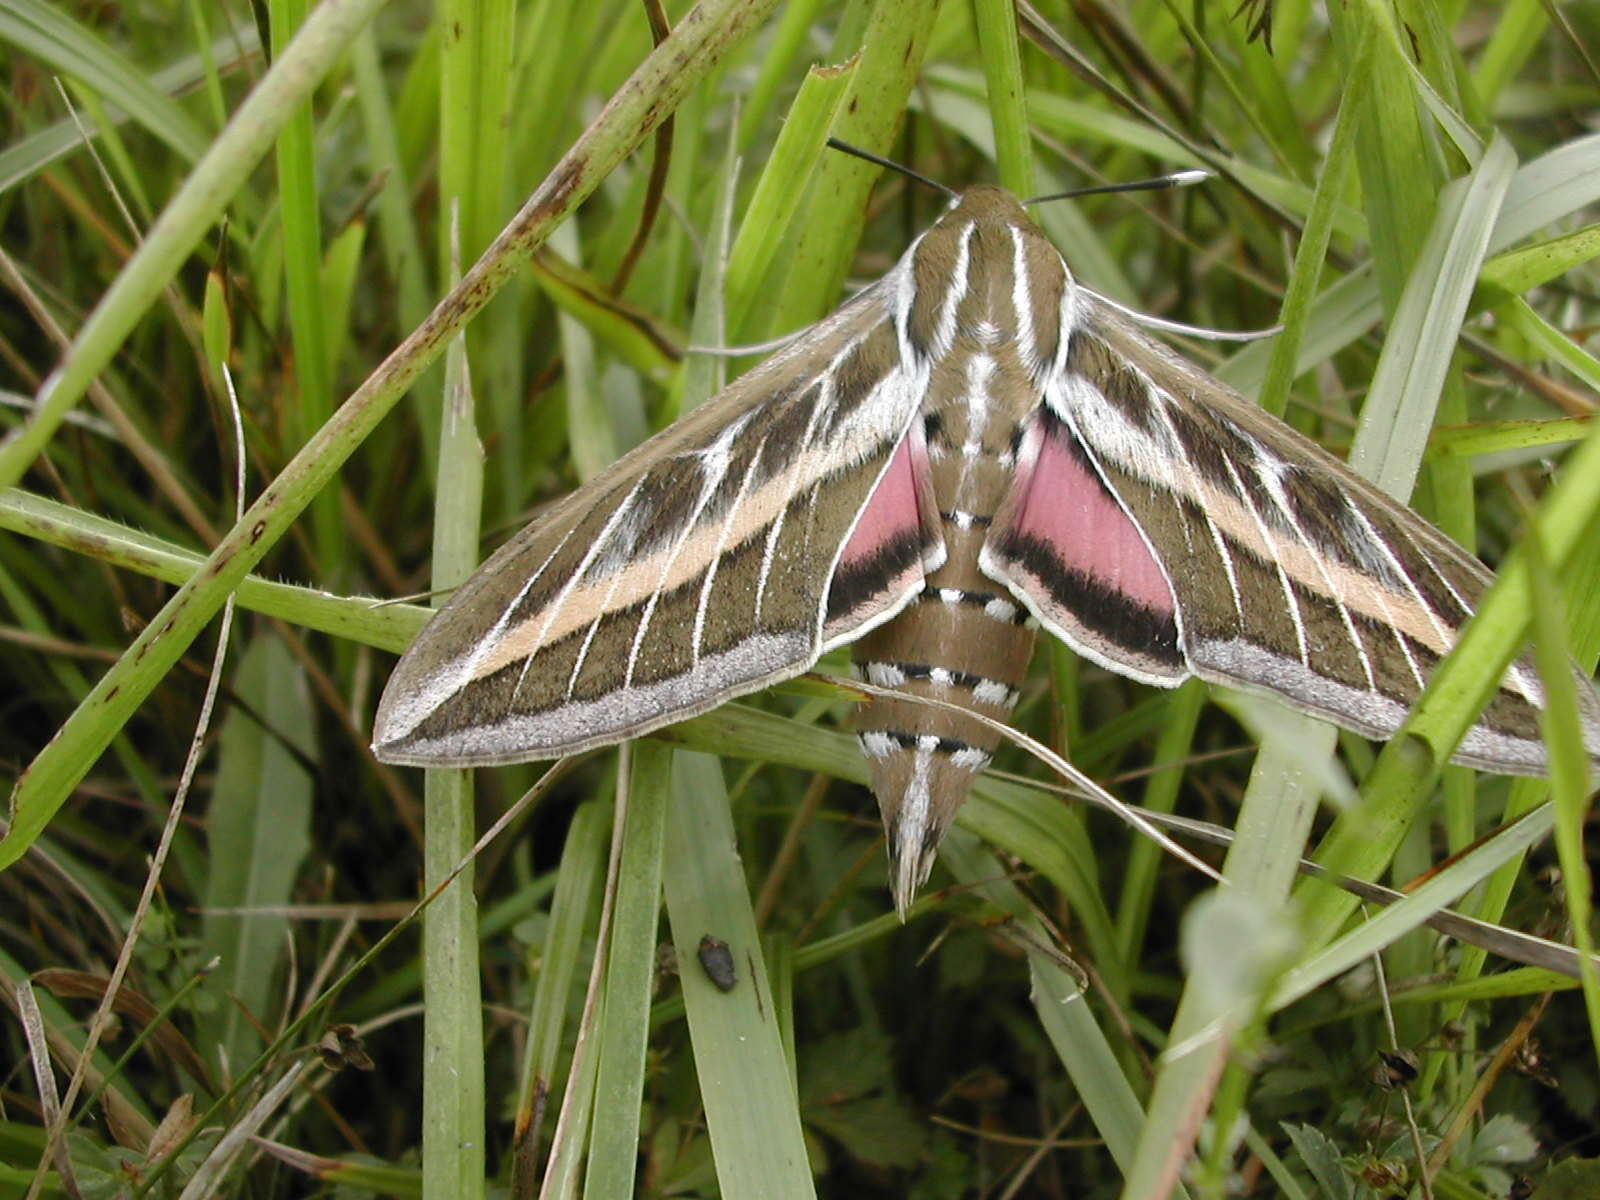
<point x="214" y="978"/>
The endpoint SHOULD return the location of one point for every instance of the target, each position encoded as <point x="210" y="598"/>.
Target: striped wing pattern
<point x="971" y="446"/>
<point x="699" y="567"/>
<point x="1289" y="574"/>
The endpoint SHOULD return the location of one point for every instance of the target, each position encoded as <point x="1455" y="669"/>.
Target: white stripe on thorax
<point x="1022" y="303"/>
<point x="944" y="334"/>
<point x="980" y="370"/>
<point x="905" y="298"/>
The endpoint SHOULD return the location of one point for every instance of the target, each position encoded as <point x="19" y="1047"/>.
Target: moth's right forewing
<point x="698" y="568"/>
<point x="1293" y="576"/>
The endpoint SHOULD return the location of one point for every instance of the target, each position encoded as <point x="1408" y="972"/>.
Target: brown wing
<point x="698" y="568"/>
<point x="1289" y="574"/>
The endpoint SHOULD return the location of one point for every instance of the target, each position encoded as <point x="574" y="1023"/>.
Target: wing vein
<point x="722" y="542"/>
<point x="567" y="588"/>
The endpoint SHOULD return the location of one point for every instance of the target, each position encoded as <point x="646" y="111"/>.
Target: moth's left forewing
<point x="698" y="568"/>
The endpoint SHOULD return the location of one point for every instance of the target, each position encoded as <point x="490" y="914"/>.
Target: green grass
<point x="1071" y="1011"/>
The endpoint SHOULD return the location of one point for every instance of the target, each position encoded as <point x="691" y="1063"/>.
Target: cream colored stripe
<point x="868" y="435"/>
<point x="944" y="334"/>
<point x="494" y="658"/>
<point x="1160" y="464"/>
<point x="1289" y="600"/>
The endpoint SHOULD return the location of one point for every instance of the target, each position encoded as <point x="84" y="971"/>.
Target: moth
<point x="970" y="448"/>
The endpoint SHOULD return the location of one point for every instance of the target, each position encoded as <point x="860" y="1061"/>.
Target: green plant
<point x="403" y="139"/>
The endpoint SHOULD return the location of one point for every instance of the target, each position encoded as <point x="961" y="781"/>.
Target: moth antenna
<point x="767" y="347"/>
<point x="1178" y="327"/>
<point x="1176" y="179"/>
<point x="879" y="160"/>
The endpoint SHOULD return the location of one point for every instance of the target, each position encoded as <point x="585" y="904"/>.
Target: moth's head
<point x="992" y="212"/>
<point x="987" y="203"/>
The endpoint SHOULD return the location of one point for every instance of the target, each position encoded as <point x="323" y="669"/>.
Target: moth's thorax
<point x="986" y="273"/>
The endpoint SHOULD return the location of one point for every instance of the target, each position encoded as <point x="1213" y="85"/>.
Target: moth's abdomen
<point x="962" y="642"/>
